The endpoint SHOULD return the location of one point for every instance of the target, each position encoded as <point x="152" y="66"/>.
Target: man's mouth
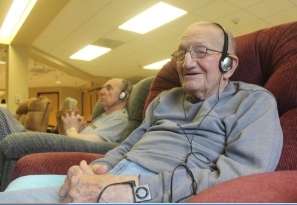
<point x="192" y="74"/>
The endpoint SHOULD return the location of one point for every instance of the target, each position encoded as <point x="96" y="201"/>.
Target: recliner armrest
<point x="288" y="160"/>
<point x="51" y="162"/>
<point x="272" y="187"/>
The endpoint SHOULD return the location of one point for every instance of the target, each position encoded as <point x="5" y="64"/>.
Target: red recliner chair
<point x="268" y="58"/>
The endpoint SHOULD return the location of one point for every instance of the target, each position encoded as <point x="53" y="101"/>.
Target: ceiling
<point x="56" y="29"/>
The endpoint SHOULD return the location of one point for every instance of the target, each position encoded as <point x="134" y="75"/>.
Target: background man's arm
<point x="72" y="132"/>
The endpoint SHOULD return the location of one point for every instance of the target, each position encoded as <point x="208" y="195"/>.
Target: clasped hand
<point x="84" y="183"/>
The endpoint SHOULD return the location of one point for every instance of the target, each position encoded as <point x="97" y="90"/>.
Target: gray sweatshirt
<point x="239" y="134"/>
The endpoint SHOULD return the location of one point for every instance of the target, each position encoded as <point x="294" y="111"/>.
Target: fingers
<point x="74" y="181"/>
<point x="100" y="168"/>
<point x="65" y="117"/>
<point x="84" y="189"/>
<point x="73" y="192"/>
<point x="65" y="187"/>
<point x="86" y="168"/>
<point x="72" y="171"/>
<point x="80" y="118"/>
<point x="72" y="114"/>
<point x="70" y="191"/>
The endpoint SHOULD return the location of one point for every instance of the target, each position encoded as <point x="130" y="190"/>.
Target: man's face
<point x="110" y="92"/>
<point x="199" y="72"/>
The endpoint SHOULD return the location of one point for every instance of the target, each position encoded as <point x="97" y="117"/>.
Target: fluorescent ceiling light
<point x="89" y="53"/>
<point x="157" y="65"/>
<point x="16" y="15"/>
<point x="152" y="18"/>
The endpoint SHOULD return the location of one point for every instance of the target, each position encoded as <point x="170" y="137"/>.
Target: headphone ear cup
<point x="226" y="64"/>
<point x="122" y="95"/>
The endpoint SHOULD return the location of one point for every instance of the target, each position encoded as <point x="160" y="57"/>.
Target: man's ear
<point x="235" y="61"/>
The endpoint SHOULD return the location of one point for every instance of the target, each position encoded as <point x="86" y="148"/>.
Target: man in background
<point x="109" y="125"/>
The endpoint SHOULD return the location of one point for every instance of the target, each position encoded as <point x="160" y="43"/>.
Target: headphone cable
<point x="194" y="184"/>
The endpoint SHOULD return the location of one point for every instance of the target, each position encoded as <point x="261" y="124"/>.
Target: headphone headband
<point x="226" y="41"/>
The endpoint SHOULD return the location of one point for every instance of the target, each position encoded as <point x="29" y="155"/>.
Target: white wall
<point x="17" y="76"/>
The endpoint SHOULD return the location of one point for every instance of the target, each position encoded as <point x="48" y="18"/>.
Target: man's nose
<point x="188" y="61"/>
<point x="102" y="91"/>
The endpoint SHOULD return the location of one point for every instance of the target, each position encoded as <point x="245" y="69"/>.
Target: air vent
<point x="109" y="43"/>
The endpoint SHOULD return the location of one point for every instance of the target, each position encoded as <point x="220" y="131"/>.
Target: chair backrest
<point x="267" y="57"/>
<point x="135" y="105"/>
<point x="34" y="114"/>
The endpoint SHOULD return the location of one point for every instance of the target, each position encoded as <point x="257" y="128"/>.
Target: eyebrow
<point x="105" y="86"/>
<point x="108" y="86"/>
<point x="193" y="45"/>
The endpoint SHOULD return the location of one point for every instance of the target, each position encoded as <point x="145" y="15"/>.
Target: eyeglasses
<point x="196" y="52"/>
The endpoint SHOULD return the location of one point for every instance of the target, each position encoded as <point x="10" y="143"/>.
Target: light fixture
<point x="157" y="65"/>
<point x="89" y="53"/>
<point x="15" y="17"/>
<point x="152" y="18"/>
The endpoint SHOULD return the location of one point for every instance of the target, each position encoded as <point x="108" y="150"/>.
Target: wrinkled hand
<point x="82" y="169"/>
<point x="72" y="120"/>
<point x="86" y="188"/>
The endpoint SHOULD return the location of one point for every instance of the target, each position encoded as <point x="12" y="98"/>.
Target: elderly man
<point x="109" y="125"/>
<point x="208" y="131"/>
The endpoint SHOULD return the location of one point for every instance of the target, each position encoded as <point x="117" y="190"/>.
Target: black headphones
<point x="225" y="63"/>
<point x="126" y="90"/>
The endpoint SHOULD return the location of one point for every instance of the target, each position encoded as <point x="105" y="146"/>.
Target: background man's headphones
<point x="126" y="90"/>
<point x="225" y="63"/>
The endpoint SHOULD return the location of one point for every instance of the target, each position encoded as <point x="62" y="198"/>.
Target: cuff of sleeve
<point x="72" y="132"/>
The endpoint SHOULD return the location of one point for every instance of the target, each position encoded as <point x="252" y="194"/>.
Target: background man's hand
<point x="72" y="120"/>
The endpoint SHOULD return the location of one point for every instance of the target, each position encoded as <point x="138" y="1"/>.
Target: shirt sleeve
<point x="112" y="130"/>
<point x="254" y="142"/>
<point x="109" y="127"/>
